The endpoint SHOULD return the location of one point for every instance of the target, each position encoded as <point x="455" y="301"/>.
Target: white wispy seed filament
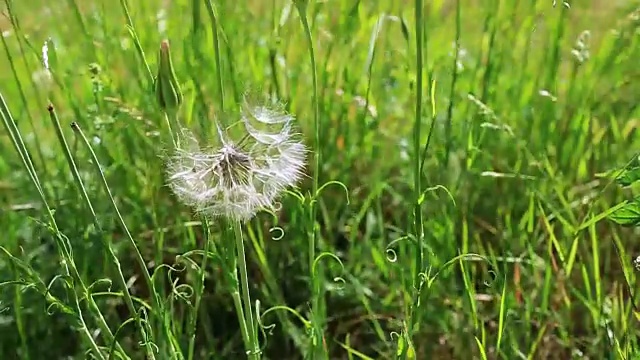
<point x="237" y="179"/>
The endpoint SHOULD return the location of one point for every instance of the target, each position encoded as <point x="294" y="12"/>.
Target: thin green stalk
<point x="199" y="290"/>
<point x="167" y="90"/>
<point x="316" y="301"/>
<point x="233" y="73"/>
<point x="114" y="259"/>
<point x="86" y="35"/>
<point x="16" y="140"/>
<point x="194" y="54"/>
<point x="216" y="48"/>
<point x="85" y="329"/>
<point x="136" y="39"/>
<point x="23" y="98"/>
<point x="159" y="237"/>
<point x="454" y="78"/>
<point x="172" y="126"/>
<point x="417" y="134"/>
<point x="273" y="49"/>
<point x="196" y="23"/>
<point x="91" y="302"/>
<point x="67" y="260"/>
<point x="316" y="111"/>
<point x="254" y="352"/>
<point x="417" y="211"/>
<point x="237" y="304"/>
<point x="17" y="309"/>
<point x="72" y="272"/>
<point x="93" y="306"/>
<point x="276" y="292"/>
<point x="230" y="267"/>
<point x="157" y="303"/>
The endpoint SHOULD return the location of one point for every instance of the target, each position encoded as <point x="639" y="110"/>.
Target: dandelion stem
<point x="199" y="290"/>
<point x="231" y="268"/>
<point x="254" y="351"/>
<point x="237" y="303"/>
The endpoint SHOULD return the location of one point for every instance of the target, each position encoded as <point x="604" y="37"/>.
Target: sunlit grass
<point x="517" y="259"/>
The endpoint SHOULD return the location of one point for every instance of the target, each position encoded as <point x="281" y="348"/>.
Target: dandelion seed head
<point x="237" y="177"/>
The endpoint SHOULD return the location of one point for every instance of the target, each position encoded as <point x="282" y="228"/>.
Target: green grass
<point x="457" y="205"/>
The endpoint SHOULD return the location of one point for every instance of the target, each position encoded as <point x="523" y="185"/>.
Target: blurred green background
<point x="531" y="107"/>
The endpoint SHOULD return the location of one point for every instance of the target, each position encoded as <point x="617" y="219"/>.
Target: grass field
<point x="456" y="202"/>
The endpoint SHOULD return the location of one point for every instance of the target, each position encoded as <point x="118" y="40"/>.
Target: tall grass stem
<point x="216" y="47"/>
<point x="157" y="304"/>
<point x="316" y="278"/>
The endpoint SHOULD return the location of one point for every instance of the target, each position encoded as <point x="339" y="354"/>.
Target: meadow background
<point x="525" y="105"/>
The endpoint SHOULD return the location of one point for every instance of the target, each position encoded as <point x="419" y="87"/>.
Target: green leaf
<point x="628" y="215"/>
<point x="628" y="176"/>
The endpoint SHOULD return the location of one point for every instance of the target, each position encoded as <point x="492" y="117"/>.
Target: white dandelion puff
<point x="238" y="178"/>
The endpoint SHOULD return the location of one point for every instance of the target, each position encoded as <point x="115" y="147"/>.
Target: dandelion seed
<point x="43" y="77"/>
<point x="546" y="93"/>
<point x="238" y="178"/>
<point x="45" y="54"/>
